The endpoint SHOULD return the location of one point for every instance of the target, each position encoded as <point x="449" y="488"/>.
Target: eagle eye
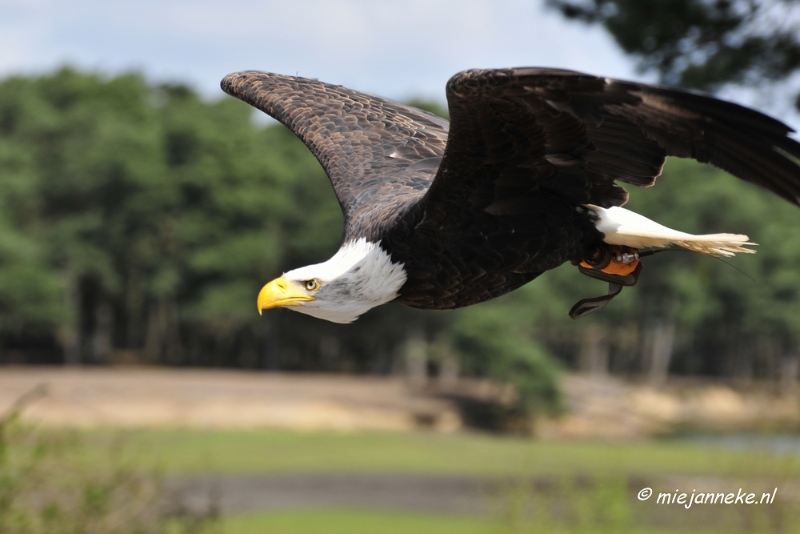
<point x="312" y="285"/>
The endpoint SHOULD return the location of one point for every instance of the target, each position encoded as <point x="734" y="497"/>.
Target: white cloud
<point x="395" y="49"/>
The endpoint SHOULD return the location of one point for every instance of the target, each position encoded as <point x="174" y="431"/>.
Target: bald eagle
<point x="524" y="178"/>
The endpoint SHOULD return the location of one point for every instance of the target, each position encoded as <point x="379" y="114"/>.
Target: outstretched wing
<point x="519" y="136"/>
<point x="379" y="155"/>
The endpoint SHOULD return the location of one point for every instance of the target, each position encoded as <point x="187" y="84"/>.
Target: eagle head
<point x="360" y="276"/>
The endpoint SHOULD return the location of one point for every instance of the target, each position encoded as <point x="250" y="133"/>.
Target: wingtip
<point x="227" y="83"/>
<point x="232" y="81"/>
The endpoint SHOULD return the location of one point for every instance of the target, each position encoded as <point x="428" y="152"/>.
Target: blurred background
<point x="141" y="211"/>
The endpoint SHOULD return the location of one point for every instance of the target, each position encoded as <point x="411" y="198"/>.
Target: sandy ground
<point x="608" y="407"/>
<point x="158" y="397"/>
<point x="597" y="406"/>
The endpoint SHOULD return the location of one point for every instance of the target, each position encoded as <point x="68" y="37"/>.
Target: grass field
<point x="185" y="451"/>
<point x="594" y="510"/>
<point x="372" y="522"/>
<point x="561" y="487"/>
<point x="355" y="522"/>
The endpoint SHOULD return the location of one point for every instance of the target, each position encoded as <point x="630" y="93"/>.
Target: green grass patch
<point x="336" y="521"/>
<point x="186" y="451"/>
<point x="342" y="521"/>
<point x="66" y="481"/>
<point x="53" y="482"/>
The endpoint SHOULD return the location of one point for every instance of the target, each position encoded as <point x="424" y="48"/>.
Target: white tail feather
<point x="624" y="227"/>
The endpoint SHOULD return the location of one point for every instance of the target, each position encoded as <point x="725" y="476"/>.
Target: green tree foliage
<point x="494" y="341"/>
<point x="700" y="44"/>
<point x="746" y="308"/>
<point x="112" y="184"/>
<point x="138" y="222"/>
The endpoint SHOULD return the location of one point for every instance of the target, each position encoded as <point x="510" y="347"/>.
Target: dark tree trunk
<point x="661" y="346"/>
<point x="69" y="335"/>
<point x="595" y="350"/>
<point x="101" y="335"/>
<point x="416" y="357"/>
<point x="154" y="336"/>
<point x="134" y="310"/>
<point x="790" y="367"/>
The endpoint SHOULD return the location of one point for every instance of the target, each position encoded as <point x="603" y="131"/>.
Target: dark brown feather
<point x="526" y="148"/>
<point x="380" y="156"/>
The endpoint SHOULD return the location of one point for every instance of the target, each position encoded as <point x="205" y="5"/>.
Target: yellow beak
<point x="281" y="292"/>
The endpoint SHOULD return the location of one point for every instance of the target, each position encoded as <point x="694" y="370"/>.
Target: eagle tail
<point x="624" y="227"/>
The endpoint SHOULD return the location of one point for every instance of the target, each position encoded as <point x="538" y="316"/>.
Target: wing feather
<point x="377" y="153"/>
<point x="525" y="146"/>
<point x="603" y="130"/>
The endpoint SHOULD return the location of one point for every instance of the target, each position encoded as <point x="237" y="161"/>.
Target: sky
<point x="394" y="49"/>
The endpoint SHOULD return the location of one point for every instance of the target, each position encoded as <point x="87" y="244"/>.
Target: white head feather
<point x="359" y="277"/>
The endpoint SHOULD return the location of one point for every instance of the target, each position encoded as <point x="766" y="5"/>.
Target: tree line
<point x="138" y="222"/>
